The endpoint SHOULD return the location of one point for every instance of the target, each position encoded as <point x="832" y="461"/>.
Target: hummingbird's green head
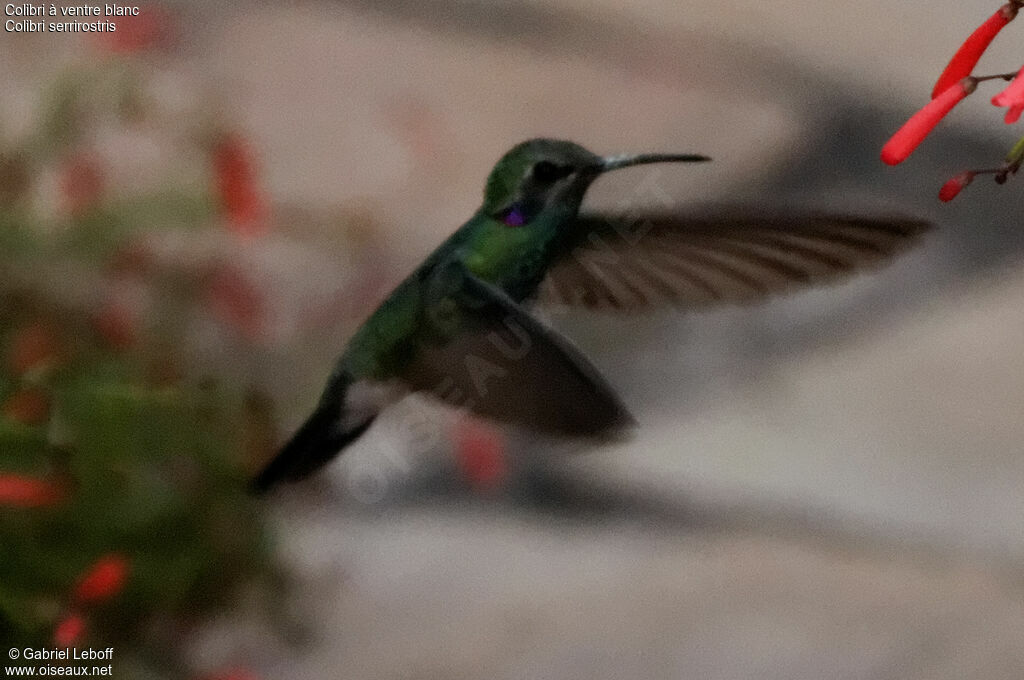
<point x="542" y="174"/>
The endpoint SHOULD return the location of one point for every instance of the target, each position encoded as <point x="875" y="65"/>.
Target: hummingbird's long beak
<point x="616" y="162"/>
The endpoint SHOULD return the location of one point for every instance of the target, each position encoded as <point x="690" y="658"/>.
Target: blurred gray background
<point x="826" y="486"/>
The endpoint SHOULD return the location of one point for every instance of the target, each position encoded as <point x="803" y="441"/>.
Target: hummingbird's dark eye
<point x="546" y="172"/>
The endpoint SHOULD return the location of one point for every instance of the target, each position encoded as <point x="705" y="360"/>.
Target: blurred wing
<point x="633" y="264"/>
<point x="503" y="364"/>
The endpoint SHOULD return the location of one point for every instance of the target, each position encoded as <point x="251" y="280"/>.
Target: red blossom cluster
<point x="234" y="300"/>
<point x="42" y="356"/>
<point x="101" y="582"/>
<point x="34" y="350"/>
<point x="952" y="87"/>
<point x="104" y="580"/>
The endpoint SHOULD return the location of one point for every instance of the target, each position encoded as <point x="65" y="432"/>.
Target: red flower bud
<point x="967" y="57"/>
<point x="33" y="347"/>
<point x="27" y="492"/>
<point x="480" y="453"/>
<point x="913" y="132"/>
<point x="953" y="187"/>
<point x="69" y="631"/>
<point x="1013" y="97"/>
<point x="240" y="198"/>
<point x="103" y="580"/>
<point x="28" y="406"/>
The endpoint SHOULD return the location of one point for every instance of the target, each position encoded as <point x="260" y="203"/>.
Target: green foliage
<point x="154" y="464"/>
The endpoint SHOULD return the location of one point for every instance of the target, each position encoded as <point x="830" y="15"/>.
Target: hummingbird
<point x="459" y="327"/>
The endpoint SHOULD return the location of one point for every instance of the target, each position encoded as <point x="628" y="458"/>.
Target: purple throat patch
<point x="514" y="218"/>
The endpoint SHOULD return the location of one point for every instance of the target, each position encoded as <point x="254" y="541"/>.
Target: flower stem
<point x="1016" y="153"/>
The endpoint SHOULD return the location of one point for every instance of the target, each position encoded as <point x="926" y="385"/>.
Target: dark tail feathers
<point x="319" y="440"/>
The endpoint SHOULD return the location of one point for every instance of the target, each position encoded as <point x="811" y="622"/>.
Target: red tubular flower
<point x="480" y="453"/>
<point x="1012" y="97"/>
<point x="954" y="186"/>
<point x="242" y="202"/>
<point x="27" y="492"/>
<point x="69" y="631"/>
<point x="966" y="58"/>
<point x="913" y="132"/>
<point x="103" y="580"/>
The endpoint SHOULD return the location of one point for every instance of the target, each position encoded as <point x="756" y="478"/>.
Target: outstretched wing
<point x="639" y="262"/>
<point x="499" y="362"/>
